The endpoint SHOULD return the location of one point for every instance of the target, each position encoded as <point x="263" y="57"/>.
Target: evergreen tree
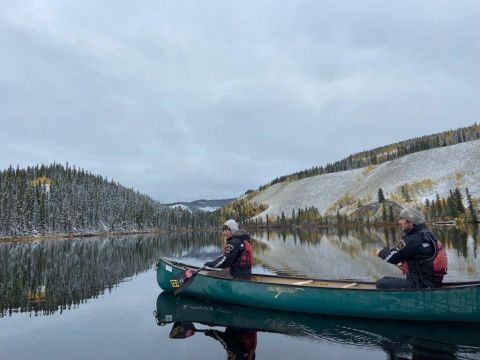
<point x="381" y="197"/>
<point x="384" y="213"/>
<point x="471" y="208"/>
<point x="458" y="201"/>
<point x="390" y="215"/>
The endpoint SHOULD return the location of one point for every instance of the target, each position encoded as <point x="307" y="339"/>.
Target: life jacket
<point x="249" y="340"/>
<point x="440" y="261"/>
<point x="245" y="260"/>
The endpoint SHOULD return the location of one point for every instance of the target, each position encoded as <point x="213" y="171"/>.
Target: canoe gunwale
<point x="445" y="287"/>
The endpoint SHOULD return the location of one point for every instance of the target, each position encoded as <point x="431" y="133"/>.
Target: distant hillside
<point x="443" y="181"/>
<point x="416" y="179"/>
<point x="201" y="205"/>
<point x="62" y="200"/>
<point x="387" y="153"/>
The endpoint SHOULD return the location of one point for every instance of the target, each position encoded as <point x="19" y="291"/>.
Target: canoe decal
<point x="280" y="290"/>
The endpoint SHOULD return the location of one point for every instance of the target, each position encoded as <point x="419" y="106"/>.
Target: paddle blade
<point x="178" y="280"/>
<point x="183" y="280"/>
<point x="182" y="330"/>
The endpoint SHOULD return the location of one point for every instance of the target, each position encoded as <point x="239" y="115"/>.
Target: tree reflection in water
<point x="43" y="277"/>
<point x="348" y="253"/>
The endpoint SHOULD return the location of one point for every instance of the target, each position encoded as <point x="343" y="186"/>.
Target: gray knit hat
<point x="230" y="224"/>
<point x="413" y="215"/>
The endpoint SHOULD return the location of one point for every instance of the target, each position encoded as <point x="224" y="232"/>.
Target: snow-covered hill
<point x="201" y="205"/>
<point x="424" y="173"/>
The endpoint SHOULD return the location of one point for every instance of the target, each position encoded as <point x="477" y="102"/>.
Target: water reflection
<point x="44" y="277"/>
<point x="349" y="253"/>
<point x="238" y="343"/>
<point x="399" y="340"/>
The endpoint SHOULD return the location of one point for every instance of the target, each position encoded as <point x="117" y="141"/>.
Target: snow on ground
<point x="209" y="208"/>
<point x="181" y="207"/>
<point x="447" y="168"/>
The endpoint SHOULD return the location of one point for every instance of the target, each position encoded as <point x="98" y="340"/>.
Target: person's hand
<point x="376" y="252"/>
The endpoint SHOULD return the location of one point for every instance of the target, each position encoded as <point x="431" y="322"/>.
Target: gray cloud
<point x="208" y="99"/>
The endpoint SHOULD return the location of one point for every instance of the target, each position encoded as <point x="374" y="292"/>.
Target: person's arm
<point x="403" y="251"/>
<point x="229" y="255"/>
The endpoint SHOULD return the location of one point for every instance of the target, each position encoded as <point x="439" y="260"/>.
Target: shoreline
<point x="102" y="234"/>
<point x="164" y="231"/>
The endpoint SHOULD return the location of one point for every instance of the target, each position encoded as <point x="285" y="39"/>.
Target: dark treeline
<point x="308" y="217"/>
<point x="59" y="199"/>
<point x="387" y="153"/>
<point x="43" y="277"/>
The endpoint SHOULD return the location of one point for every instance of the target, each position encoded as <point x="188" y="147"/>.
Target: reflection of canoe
<point x="452" y="302"/>
<point x="397" y="336"/>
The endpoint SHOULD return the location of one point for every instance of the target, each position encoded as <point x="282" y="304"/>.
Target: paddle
<point x="183" y="330"/>
<point x="185" y="279"/>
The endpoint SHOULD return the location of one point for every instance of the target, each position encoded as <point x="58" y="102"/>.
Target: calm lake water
<point x="97" y="298"/>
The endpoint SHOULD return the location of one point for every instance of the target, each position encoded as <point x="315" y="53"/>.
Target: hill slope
<point x="423" y="173"/>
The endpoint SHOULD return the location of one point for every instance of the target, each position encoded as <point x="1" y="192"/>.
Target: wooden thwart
<point x="303" y="282"/>
<point x="349" y="285"/>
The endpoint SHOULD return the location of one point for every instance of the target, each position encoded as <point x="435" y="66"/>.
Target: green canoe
<point x="399" y="336"/>
<point x="452" y="302"/>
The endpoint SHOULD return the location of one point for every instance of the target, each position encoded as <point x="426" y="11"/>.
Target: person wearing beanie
<point x="230" y="225"/>
<point x="238" y="252"/>
<point x="416" y="252"/>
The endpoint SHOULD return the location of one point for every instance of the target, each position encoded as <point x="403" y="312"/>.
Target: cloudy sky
<point x="185" y="100"/>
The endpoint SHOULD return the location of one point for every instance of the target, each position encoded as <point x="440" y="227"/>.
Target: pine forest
<point x="59" y="199"/>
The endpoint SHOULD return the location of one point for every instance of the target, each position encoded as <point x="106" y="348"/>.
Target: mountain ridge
<point x="201" y="204"/>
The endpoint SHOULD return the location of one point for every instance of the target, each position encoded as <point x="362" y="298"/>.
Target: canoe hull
<point x="398" y="335"/>
<point x="455" y="304"/>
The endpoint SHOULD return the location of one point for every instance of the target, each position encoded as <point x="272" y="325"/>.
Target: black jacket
<point x="240" y="344"/>
<point x="231" y="255"/>
<point x="418" y="251"/>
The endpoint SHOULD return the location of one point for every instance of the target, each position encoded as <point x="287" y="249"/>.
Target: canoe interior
<point x="305" y="282"/>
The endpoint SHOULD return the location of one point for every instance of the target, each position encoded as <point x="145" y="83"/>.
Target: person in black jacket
<point x="239" y="343"/>
<point x="417" y="249"/>
<point x="237" y="254"/>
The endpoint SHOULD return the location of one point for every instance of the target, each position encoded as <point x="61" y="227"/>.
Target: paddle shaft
<point x="187" y="281"/>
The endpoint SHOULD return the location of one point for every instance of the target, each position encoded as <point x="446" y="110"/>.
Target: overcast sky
<point x="184" y="100"/>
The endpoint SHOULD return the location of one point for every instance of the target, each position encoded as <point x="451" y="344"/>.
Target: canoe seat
<point x="349" y="285"/>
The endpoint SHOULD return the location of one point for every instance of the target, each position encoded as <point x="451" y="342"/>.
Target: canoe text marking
<point x="280" y="290"/>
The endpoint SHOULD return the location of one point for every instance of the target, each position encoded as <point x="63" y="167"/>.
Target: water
<point x="96" y="297"/>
